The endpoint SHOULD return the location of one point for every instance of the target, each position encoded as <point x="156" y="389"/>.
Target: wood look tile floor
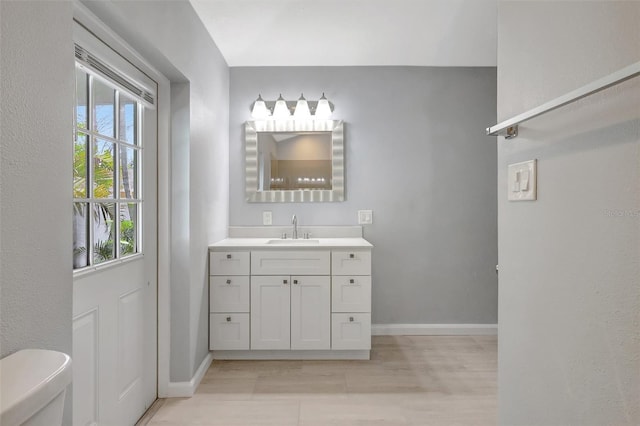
<point x="409" y="381"/>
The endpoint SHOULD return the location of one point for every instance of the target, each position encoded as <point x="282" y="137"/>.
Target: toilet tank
<point x="33" y="383"/>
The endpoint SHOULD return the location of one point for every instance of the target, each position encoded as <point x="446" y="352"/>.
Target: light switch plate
<point x="522" y="181"/>
<point x="267" y="217"/>
<point x="365" y="217"/>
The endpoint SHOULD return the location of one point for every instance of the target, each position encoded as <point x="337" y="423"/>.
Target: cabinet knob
<point x="351" y="255"/>
<point x="228" y="256"/>
<point x="285" y="282"/>
<point x="350" y="319"/>
<point x="228" y="281"/>
<point x="228" y="319"/>
<point x="351" y="281"/>
<point x="295" y="281"/>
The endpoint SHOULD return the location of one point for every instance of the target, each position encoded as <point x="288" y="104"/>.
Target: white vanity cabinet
<point x="297" y="302"/>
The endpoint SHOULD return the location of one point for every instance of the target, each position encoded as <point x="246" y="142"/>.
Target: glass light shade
<point x="302" y="109"/>
<point x="259" y="111"/>
<point x="323" y="110"/>
<point x="281" y="111"/>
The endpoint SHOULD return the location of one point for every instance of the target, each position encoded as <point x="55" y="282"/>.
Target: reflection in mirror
<point x="288" y="161"/>
<point x="294" y="161"/>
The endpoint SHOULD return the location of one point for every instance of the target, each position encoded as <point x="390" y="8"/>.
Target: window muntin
<point x="106" y="172"/>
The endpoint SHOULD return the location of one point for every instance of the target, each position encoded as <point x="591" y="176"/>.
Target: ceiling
<point x="352" y="32"/>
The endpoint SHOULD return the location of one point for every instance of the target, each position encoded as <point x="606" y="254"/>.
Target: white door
<point x="310" y="312"/>
<point x="115" y="241"/>
<point x="270" y="312"/>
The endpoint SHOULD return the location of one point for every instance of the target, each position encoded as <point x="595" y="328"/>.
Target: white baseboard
<point x="187" y="389"/>
<point x="434" y="329"/>
<point x="294" y="354"/>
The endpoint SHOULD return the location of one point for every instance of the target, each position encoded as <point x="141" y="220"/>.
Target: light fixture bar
<point x="323" y="105"/>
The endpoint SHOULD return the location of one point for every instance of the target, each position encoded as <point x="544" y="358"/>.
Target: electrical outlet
<point x="267" y="217"/>
<point x="365" y="217"/>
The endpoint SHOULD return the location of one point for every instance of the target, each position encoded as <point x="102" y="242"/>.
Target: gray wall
<point x="569" y="304"/>
<point x="172" y="37"/>
<point x="37" y="88"/>
<point x="416" y="154"/>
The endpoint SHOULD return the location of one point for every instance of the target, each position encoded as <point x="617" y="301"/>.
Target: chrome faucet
<point x="294" y="222"/>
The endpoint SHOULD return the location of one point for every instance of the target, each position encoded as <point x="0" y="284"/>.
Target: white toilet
<point x="33" y="383"/>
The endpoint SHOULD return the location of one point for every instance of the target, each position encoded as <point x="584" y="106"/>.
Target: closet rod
<point x="509" y="128"/>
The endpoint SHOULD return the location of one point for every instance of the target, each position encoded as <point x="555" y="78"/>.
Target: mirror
<point x="294" y="161"/>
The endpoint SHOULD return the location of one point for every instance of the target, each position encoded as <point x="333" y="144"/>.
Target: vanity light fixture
<point x="260" y="110"/>
<point x="302" y="108"/>
<point x="282" y="109"/>
<point x="323" y="110"/>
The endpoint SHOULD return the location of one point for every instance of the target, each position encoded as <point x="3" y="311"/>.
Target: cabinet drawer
<point x="351" y="331"/>
<point x="299" y="262"/>
<point x="229" y="263"/>
<point x="351" y="294"/>
<point x="228" y="331"/>
<point x="351" y="262"/>
<point x="229" y="293"/>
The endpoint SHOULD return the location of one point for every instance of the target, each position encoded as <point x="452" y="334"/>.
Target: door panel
<point x="310" y="312"/>
<point x="270" y="312"/>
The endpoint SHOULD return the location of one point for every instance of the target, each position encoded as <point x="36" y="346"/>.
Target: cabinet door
<point x="351" y="294"/>
<point x="270" y="312"/>
<point x="351" y="331"/>
<point x="228" y="331"/>
<point x="229" y="293"/>
<point x="229" y="263"/>
<point x="310" y="312"/>
<point x="356" y="262"/>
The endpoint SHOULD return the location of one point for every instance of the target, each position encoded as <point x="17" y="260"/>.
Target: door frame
<point x="104" y="33"/>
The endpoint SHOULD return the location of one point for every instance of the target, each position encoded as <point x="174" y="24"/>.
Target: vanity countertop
<point x="277" y="243"/>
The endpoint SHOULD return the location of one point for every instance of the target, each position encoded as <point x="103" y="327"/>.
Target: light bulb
<point x="323" y="110"/>
<point x="259" y="111"/>
<point x="281" y="111"/>
<point x="302" y="109"/>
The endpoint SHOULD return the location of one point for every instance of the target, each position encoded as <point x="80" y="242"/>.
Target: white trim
<point x="295" y="354"/>
<point x="434" y="329"/>
<point x="187" y="389"/>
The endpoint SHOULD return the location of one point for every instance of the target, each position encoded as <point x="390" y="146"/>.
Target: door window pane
<point x="103" y="108"/>
<point x="80" y="235"/>
<point x="128" y="172"/>
<point x="103" y="232"/>
<point x="128" y="228"/>
<point x="81" y="99"/>
<point x="103" y="173"/>
<point x="80" y="166"/>
<point x="127" y="131"/>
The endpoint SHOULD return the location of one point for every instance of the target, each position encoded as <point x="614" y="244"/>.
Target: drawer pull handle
<point x="351" y="281"/>
<point x="350" y="319"/>
<point x="228" y="281"/>
<point x="285" y="282"/>
<point x="295" y="281"/>
<point x="352" y="256"/>
<point x="228" y="319"/>
<point x="228" y="256"/>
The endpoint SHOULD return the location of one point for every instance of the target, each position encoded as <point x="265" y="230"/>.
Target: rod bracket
<point x="511" y="132"/>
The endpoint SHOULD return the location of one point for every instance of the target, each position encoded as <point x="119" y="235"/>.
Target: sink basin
<point x="298" y="242"/>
